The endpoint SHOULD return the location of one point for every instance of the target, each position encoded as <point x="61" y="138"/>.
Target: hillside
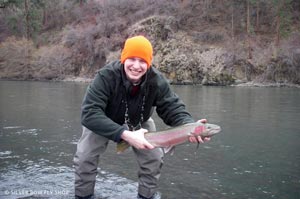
<point x="195" y="42"/>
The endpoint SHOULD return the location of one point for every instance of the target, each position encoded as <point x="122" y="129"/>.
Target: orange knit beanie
<point x="137" y="46"/>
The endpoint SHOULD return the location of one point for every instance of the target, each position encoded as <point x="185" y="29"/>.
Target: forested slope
<point x="211" y="42"/>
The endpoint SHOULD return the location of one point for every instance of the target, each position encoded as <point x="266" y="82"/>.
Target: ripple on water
<point x="41" y="180"/>
<point x="4" y="153"/>
<point x="33" y="132"/>
<point x="7" y="155"/>
<point x="12" y="127"/>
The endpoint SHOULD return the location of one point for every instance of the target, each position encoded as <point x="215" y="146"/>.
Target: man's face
<point x="135" y="68"/>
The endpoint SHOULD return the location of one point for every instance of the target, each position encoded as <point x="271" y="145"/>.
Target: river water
<point x="257" y="154"/>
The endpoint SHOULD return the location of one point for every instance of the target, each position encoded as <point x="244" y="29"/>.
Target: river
<point x="257" y="154"/>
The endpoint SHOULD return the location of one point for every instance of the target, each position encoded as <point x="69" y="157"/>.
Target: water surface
<point x="255" y="156"/>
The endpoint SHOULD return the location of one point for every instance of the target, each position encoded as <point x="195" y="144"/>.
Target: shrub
<point x="15" y="58"/>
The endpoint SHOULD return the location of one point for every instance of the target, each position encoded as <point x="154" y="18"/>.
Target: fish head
<point x="211" y="129"/>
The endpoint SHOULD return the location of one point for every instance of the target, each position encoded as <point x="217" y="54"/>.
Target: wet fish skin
<point x="171" y="137"/>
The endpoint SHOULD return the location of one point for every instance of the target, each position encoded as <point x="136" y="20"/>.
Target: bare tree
<point x="278" y="23"/>
<point x="248" y="30"/>
<point x="27" y="19"/>
<point x="257" y="15"/>
<point x="232" y="20"/>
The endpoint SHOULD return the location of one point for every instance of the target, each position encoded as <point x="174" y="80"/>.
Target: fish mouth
<point x="216" y="130"/>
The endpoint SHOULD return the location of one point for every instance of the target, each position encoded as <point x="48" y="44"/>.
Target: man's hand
<point x="198" y="139"/>
<point x="137" y="139"/>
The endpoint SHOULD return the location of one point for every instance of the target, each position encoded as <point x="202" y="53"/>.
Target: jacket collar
<point x="128" y="85"/>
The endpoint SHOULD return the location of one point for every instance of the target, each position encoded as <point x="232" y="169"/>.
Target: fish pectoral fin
<point x="169" y="149"/>
<point x="122" y="146"/>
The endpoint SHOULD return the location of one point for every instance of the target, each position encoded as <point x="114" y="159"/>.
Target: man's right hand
<point x="137" y="139"/>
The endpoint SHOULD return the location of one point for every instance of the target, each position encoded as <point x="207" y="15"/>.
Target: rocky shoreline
<point x="239" y="84"/>
<point x="244" y="84"/>
<point x="254" y="84"/>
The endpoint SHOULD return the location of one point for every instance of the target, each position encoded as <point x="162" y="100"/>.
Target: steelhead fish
<point x="171" y="137"/>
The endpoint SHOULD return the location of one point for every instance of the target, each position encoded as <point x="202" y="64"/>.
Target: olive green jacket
<point x="104" y="104"/>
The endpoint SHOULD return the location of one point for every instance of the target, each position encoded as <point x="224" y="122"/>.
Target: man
<point x="118" y="106"/>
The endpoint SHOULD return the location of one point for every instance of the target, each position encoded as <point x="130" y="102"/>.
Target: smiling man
<point x="118" y="106"/>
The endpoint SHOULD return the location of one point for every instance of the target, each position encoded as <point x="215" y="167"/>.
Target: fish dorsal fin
<point x="169" y="149"/>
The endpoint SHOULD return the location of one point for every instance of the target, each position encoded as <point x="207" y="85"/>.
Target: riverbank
<point x="181" y="57"/>
<point x="254" y="84"/>
<point x="244" y="84"/>
<point x="189" y="48"/>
